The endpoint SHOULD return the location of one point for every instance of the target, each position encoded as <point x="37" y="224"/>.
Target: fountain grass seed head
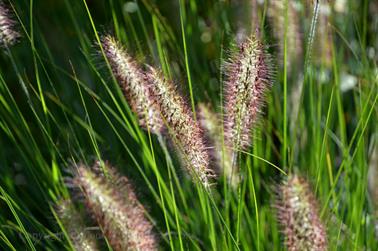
<point x="8" y="33"/>
<point x="298" y="215"/>
<point x="213" y="128"/>
<point x="249" y="78"/>
<point x="80" y="237"/>
<point x="113" y="202"/>
<point x="323" y="37"/>
<point x="184" y="131"/>
<point x="292" y="27"/>
<point x="130" y="77"/>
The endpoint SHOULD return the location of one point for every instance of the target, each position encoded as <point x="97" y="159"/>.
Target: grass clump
<point x="298" y="95"/>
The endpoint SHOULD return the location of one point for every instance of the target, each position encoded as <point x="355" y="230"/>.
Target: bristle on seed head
<point x="80" y="237"/>
<point x="249" y="78"/>
<point x="298" y="214"/>
<point x="184" y="131"/>
<point x="8" y="33"/>
<point x="113" y="202"/>
<point x="130" y="77"/>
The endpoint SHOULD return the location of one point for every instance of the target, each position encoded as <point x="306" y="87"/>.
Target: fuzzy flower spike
<point x="113" y="202"/>
<point x="8" y="34"/>
<point x="185" y="132"/>
<point x="277" y="13"/>
<point x="80" y="237"/>
<point x="213" y="128"/>
<point x="298" y="215"/>
<point x="130" y="77"/>
<point x="249" y="77"/>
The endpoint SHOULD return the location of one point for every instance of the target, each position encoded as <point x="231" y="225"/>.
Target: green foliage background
<point x="59" y="105"/>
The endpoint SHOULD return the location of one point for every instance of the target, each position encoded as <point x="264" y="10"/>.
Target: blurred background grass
<point x="59" y="105"/>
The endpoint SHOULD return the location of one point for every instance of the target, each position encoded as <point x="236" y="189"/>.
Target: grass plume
<point x="73" y="223"/>
<point x="8" y="32"/>
<point x="277" y="13"/>
<point x="113" y="202"/>
<point x="212" y="126"/>
<point x="298" y="215"/>
<point x="249" y="78"/>
<point x="185" y="132"/>
<point x="60" y="104"/>
<point x="130" y="77"/>
<point x="323" y="39"/>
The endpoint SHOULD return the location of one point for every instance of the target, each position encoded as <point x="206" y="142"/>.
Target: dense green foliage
<point x="59" y="105"/>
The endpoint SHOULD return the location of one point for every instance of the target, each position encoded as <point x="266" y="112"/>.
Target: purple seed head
<point x="113" y="202"/>
<point x="184" y="131"/>
<point x="8" y="34"/>
<point x="130" y="77"/>
<point x="249" y="78"/>
<point x="298" y="216"/>
<point x="80" y="237"/>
